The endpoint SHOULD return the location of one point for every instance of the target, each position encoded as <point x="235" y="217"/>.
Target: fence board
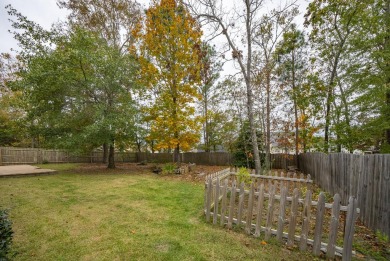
<point x="270" y="212"/>
<point x="250" y="209"/>
<point x="240" y="203"/>
<point x="293" y="217"/>
<point x="223" y="204"/>
<point x="260" y="205"/>
<point x="330" y="252"/>
<point x="282" y="210"/>
<point x="318" y="226"/>
<point x="306" y="221"/>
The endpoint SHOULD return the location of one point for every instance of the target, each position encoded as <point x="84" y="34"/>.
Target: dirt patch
<point x="197" y="174"/>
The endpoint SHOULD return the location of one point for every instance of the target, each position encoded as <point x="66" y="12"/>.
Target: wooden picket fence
<point x="259" y="209"/>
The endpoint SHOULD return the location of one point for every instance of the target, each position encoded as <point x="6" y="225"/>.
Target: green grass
<point x="71" y="216"/>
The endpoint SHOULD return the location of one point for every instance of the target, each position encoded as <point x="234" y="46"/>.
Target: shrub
<point x="244" y="176"/>
<point x="5" y="234"/>
<point x="169" y="168"/>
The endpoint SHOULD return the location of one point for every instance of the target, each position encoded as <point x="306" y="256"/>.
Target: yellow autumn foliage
<point x="170" y="69"/>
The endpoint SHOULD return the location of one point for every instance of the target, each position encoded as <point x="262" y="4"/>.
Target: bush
<point x="244" y="176"/>
<point x="5" y="234"/>
<point x="169" y="168"/>
<point x="243" y="153"/>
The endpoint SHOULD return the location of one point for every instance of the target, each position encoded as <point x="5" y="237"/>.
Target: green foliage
<point x="243" y="154"/>
<point x="382" y="237"/>
<point x="6" y="235"/>
<point x="169" y="168"/>
<point x="243" y="175"/>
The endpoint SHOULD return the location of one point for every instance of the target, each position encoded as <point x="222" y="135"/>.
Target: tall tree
<point x="333" y="23"/>
<point x="113" y="20"/>
<point x="209" y="73"/>
<point x="372" y="75"/>
<point x="223" y="22"/>
<point x="292" y="69"/>
<point x="269" y="32"/>
<point x="79" y="88"/>
<point x="170" y="44"/>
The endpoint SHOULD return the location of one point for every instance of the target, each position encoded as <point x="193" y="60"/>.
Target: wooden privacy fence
<point x="11" y="155"/>
<point x="366" y="177"/>
<point x="259" y="209"/>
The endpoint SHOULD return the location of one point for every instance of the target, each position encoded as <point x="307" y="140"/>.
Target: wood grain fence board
<point x="270" y="212"/>
<point x="216" y="202"/>
<point x="231" y="208"/>
<point x="260" y="205"/>
<point x="208" y="199"/>
<point x="240" y="203"/>
<point x="319" y="222"/>
<point x="224" y="199"/>
<point x="350" y="228"/>
<point x="334" y="224"/>
<point x="305" y="221"/>
<point x="250" y="210"/>
<point x="293" y="218"/>
<point x="282" y="211"/>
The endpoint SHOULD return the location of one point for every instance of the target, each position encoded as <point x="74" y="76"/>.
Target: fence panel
<point x="365" y="177"/>
<point x="286" y="216"/>
<point x="11" y="155"/>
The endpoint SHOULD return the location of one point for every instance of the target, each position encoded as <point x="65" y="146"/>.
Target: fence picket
<point x="330" y="251"/>
<point x="260" y="205"/>
<point x="240" y="203"/>
<point x="224" y="199"/>
<point x="349" y="228"/>
<point x="306" y="221"/>
<point x="319" y="222"/>
<point x="270" y="212"/>
<point x="216" y="202"/>
<point x="231" y="206"/>
<point x="208" y="199"/>
<point x="282" y="207"/>
<point x="250" y="209"/>
<point x="293" y="218"/>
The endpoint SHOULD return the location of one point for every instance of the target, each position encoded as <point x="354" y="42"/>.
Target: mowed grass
<point x="111" y="216"/>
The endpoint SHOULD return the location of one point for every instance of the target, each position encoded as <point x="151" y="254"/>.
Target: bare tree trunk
<point x="207" y="127"/>
<point x="268" y="122"/>
<point x="176" y="155"/>
<point x="387" y="46"/>
<point x="248" y="83"/>
<point x="215" y="15"/>
<point x="105" y="153"/>
<point x="111" y="160"/>
<point x="296" y="124"/>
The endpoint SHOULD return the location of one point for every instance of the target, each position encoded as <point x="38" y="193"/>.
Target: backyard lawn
<point x="120" y="215"/>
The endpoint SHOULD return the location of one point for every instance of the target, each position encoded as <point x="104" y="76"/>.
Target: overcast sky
<point x="45" y="13"/>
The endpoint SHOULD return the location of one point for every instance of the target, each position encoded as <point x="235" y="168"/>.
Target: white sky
<point x="46" y="12"/>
